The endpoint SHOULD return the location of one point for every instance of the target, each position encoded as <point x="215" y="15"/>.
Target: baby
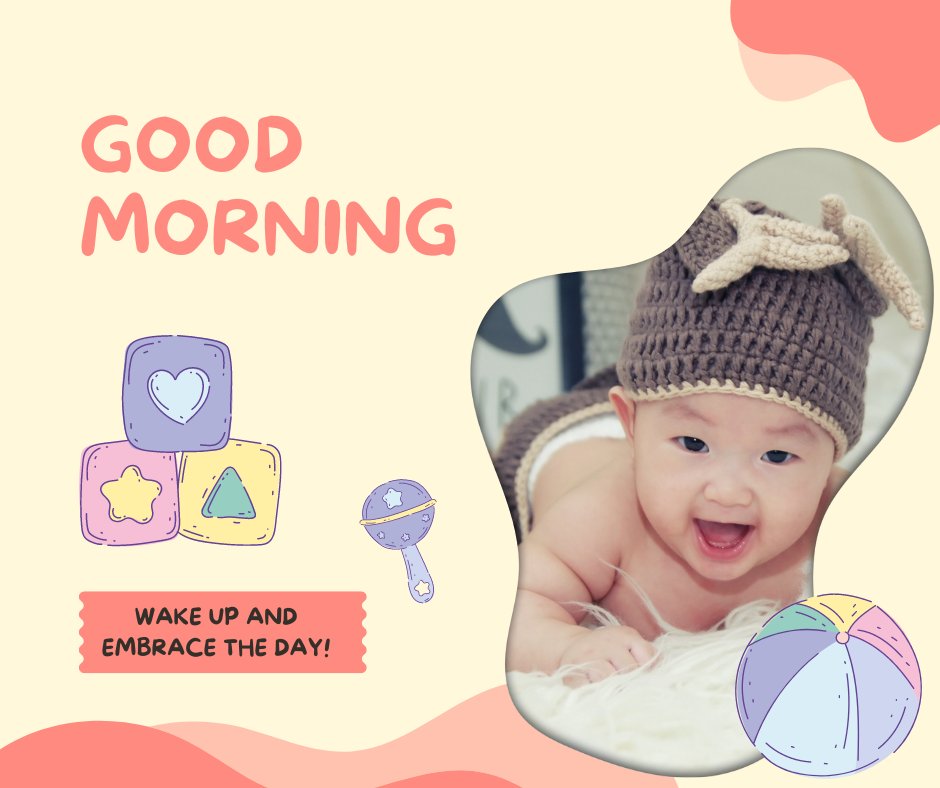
<point x="740" y="385"/>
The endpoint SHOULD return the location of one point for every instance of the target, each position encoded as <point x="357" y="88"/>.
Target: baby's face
<point x="727" y="481"/>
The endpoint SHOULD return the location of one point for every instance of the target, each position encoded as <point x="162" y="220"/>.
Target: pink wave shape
<point x="483" y="734"/>
<point x="480" y="743"/>
<point x="889" y="49"/>
<point x="106" y="754"/>
<point x="452" y="780"/>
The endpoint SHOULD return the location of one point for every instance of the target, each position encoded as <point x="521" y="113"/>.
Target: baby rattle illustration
<point x="398" y="515"/>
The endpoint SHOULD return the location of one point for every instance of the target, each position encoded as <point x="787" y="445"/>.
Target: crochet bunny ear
<point x="731" y="238"/>
<point x="870" y="255"/>
<point x="768" y="242"/>
<point x="711" y="235"/>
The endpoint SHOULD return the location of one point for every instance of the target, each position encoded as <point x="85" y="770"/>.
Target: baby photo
<point x="669" y="503"/>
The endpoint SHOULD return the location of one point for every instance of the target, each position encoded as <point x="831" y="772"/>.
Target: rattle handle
<point x="417" y="574"/>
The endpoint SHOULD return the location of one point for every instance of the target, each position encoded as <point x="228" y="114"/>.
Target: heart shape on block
<point x="179" y="398"/>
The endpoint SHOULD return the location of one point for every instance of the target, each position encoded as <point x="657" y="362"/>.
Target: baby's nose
<point x="728" y="489"/>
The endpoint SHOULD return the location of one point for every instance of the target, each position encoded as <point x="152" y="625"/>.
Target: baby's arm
<point x="567" y="561"/>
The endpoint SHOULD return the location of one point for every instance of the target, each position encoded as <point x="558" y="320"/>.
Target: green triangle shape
<point x="229" y="498"/>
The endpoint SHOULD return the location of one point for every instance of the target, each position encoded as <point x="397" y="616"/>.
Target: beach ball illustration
<point x="829" y="686"/>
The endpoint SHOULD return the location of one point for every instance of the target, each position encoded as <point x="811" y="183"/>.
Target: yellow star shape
<point x="131" y="496"/>
<point x="423" y="588"/>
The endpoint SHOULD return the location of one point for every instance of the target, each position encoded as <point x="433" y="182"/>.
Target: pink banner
<point x="222" y="632"/>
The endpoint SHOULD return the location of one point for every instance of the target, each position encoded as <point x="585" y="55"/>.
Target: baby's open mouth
<point x="722" y="540"/>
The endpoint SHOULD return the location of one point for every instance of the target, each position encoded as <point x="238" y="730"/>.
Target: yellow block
<point x="259" y="467"/>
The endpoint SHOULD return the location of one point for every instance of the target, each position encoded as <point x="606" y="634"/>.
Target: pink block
<point x="124" y="506"/>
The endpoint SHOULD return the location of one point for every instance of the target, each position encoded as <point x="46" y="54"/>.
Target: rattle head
<point x="398" y="514"/>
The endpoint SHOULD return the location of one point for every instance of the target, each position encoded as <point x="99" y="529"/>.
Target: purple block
<point x="128" y="496"/>
<point x="177" y="394"/>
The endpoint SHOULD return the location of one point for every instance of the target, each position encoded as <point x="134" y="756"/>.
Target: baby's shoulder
<point x="587" y="496"/>
<point x="581" y="472"/>
<point x="593" y="524"/>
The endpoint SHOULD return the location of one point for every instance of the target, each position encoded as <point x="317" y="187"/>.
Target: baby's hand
<point x="602" y="652"/>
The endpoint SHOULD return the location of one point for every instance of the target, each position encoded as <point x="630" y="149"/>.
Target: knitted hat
<point x="753" y="303"/>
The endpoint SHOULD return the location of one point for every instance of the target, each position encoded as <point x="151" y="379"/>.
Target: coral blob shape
<point x="889" y="49"/>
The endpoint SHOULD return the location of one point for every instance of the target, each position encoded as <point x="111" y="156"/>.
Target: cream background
<point x="565" y="140"/>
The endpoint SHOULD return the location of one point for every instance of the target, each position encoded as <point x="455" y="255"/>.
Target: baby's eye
<point x="777" y="457"/>
<point x="696" y="445"/>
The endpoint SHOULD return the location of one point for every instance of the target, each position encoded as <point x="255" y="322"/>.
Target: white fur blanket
<point x="676" y="715"/>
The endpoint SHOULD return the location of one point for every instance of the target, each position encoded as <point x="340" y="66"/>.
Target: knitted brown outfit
<point x="749" y="325"/>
